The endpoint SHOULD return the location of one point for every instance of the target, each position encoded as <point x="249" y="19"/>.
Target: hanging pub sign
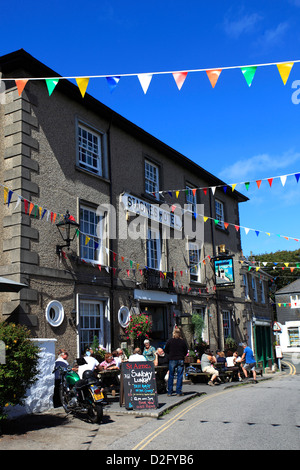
<point x="224" y="272"/>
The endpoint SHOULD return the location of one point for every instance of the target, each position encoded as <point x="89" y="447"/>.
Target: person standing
<point x="177" y="349"/>
<point x="61" y="361"/>
<point x="250" y="362"/>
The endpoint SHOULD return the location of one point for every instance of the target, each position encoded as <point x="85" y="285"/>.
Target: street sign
<point x="276" y="327"/>
<point x="278" y="352"/>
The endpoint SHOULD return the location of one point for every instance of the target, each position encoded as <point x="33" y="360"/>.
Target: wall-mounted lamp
<point x="67" y="229"/>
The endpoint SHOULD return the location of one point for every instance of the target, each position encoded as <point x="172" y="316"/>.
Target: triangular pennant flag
<point x="30" y="208"/>
<point x="246" y="230"/>
<point x="270" y="181"/>
<point x="5" y="194"/>
<point x="213" y="189"/>
<point x="205" y="191"/>
<point x="225" y="189"/>
<point x="26" y="205"/>
<point x="248" y="73"/>
<point x="177" y="194"/>
<point x="21" y="85"/>
<point x="284" y="70"/>
<point x="179" y="78"/>
<point x="226" y="225"/>
<point x="237" y="227"/>
<point x="205" y="219"/>
<point x="9" y="197"/>
<point x="87" y="239"/>
<point x="268" y="233"/>
<point x="112" y="82"/>
<point x="233" y="186"/>
<point x="18" y="202"/>
<point x="257" y="232"/>
<point x="283" y="180"/>
<point x="258" y="182"/>
<point x="194" y="191"/>
<point x="82" y="85"/>
<point x="145" y="80"/>
<point x="247" y="185"/>
<point x="297" y="176"/>
<point x="213" y="76"/>
<point x="51" y="84"/>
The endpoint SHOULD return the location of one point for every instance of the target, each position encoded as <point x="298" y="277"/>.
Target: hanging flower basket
<point x="139" y="326"/>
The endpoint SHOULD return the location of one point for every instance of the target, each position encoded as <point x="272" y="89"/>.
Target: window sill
<point x="90" y="173"/>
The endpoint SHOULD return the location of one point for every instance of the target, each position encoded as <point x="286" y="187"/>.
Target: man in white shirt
<point x="137" y="356"/>
<point x="91" y="363"/>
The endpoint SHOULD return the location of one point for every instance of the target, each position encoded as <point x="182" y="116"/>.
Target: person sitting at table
<point x="149" y="351"/>
<point x="122" y="355"/>
<point x="161" y="358"/>
<point x="221" y="359"/>
<point x="137" y="356"/>
<point x="109" y="363"/>
<point x="207" y="365"/>
<point x="232" y="364"/>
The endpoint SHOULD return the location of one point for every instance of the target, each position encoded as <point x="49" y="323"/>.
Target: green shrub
<point x="20" y="366"/>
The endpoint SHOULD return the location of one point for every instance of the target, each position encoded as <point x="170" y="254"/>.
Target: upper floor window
<point x="194" y="262"/>
<point x="245" y="279"/>
<point x="92" y="240"/>
<point x="227" y="323"/>
<point x="219" y="207"/>
<point x="254" y="288"/>
<point x="295" y="301"/>
<point x="262" y="291"/>
<point x="154" y="249"/>
<point x="151" y="179"/>
<point x="89" y="150"/>
<point x="191" y="199"/>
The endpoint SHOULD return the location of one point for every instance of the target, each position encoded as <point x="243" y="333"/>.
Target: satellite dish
<point x="123" y="316"/>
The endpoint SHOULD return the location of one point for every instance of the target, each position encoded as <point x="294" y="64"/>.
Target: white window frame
<point x="89" y="149"/>
<point x="194" y="250"/>
<point x="227" y="318"/>
<point x="91" y="322"/>
<point x="254" y="288"/>
<point x="293" y="333"/>
<point x="219" y="208"/>
<point x="245" y="279"/>
<point x="154" y="249"/>
<point x="151" y="179"/>
<point x="262" y="291"/>
<point x="93" y="229"/>
<point x="191" y="200"/>
<point x="295" y="301"/>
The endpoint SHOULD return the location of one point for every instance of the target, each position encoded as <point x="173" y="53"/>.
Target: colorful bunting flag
<point x="213" y="76"/>
<point x="51" y="84"/>
<point x="21" y="85"/>
<point x="249" y="73"/>
<point x="82" y="85"/>
<point x="284" y="70"/>
<point x="145" y="80"/>
<point x="112" y="82"/>
<point x="179" y="78"/>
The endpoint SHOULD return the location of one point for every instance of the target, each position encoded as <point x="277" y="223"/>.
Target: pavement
<point x="190" y="390"/>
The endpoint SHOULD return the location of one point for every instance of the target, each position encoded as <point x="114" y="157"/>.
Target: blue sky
<point x="236" y="132"/>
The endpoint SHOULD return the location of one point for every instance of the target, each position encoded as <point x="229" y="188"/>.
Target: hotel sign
<point x="151" y="211"/>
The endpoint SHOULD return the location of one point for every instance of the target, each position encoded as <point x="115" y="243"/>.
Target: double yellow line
<point x="141" y="445"/>
<point x="291" y="367"/>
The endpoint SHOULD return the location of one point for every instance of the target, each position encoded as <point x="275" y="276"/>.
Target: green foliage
<point x="282" y="277"/>
<point x="230" y="343"/>
<point x="21" y="365"/>
<point x="197" y="326"/>
<point x="99" y="352"/>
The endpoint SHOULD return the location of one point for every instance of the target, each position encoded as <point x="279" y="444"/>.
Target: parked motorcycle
<point x="81" y="395"/>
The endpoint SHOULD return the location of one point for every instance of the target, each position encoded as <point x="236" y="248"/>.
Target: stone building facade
<point x="135" y="250"/>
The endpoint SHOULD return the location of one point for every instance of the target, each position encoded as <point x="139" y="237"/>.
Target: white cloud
<point x="243" y="25"/>
<point x="272" y="37"/>
<point x="258" y="166"/>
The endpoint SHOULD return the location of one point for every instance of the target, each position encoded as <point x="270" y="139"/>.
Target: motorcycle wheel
<point x="95" y="412"/>
<point x="63" y="398"/>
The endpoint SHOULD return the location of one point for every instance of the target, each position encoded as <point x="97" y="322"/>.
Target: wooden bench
<point x="196" y="375"/>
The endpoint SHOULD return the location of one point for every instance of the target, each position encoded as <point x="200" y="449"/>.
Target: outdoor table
<point x="110" y="379"/>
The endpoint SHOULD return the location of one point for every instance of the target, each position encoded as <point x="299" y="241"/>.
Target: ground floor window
<point x="91" y="323"/>
<point x="294" y="337"/>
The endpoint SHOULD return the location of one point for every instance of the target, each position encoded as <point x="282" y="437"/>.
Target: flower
<point x="139" y="325"/>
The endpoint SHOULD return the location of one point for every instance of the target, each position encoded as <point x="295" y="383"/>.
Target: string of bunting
<point x="225" y="187"/>
<point x="272" y="264"/>
<point x="213" y="74"/>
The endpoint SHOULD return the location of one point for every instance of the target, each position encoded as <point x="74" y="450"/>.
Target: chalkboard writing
<point x="139" y="385"/>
